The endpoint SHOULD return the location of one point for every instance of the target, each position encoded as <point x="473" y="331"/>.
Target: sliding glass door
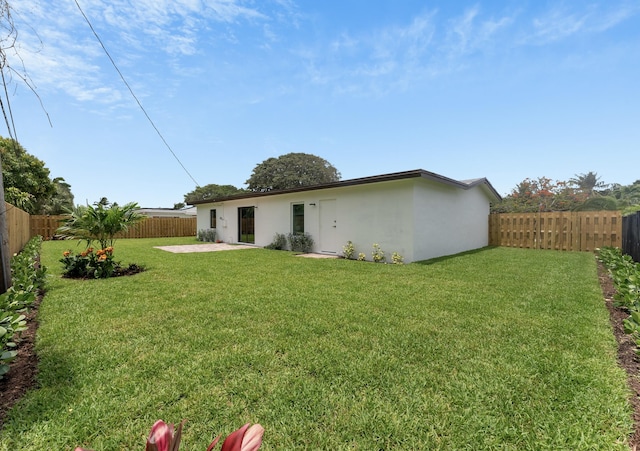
<point x="246" y="225"/>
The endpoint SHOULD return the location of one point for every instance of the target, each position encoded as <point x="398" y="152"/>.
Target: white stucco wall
<point x="449" y="220"/>
<point x="417" y="218"/>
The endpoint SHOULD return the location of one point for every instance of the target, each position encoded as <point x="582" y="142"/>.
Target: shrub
<point x="279" y="242"/>
<point x="378" y="254"/>
<point x="87" y="264"/>
<point x="626" y="280"/>
<point x="396" y="258"/>
<point x="28" y="276"/>
<point x="300" y="242"/>
<point x="362" y="257"/>
<point x="207" y="235"/>
<point x="348" y="250"/>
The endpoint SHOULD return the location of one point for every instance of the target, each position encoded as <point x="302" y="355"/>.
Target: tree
<point x="587" y="183"/>
<point x="26" y="179"/>
<point x="101" y="222"/>
<point x="211" y="191"/>
<point x="62" y="200"/>
<point x="541" y="194"/>
<point x="292" y="170"/>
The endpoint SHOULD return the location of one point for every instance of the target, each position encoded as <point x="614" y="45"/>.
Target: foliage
<point x="362" y="256"/>
<point x="541" y="194"/>
<point x="279" y="242"/>
<point x="300" y="242"/>
<point x="628" y="196"/>
<point x="625" y="274"/>
<point x="101" y="222"/>
<point x="581" y="193"/>
<point x="62" y="200"/>
<point x="598" y="203"/>
<point x="28" y="276"/>
<point x="25" y="177"/>
<point x="587" y="183"/>
<point x="397" y="259"/>
<point x="348" y="250"/>
<point x="163" y="438"/>
<point x="321" y="351"/>
<point x="207" y="235"/>
<point x="292" y="170"/>
<point x="89" y="264"/>
<point x="377" y="255"/>
<point x="211" y="192"/>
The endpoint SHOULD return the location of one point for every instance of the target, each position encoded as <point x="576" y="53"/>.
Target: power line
<point x="134" y="96"/>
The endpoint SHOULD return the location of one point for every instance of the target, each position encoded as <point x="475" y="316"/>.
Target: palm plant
<point x="100" y="222"/>
<point x="587" y="183"/>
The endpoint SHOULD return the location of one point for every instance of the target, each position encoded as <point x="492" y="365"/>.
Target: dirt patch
<point x="22" y="375"/>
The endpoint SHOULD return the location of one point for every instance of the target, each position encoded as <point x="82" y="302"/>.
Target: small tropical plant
<point x="163" y="437"/>
<point x="362" y="256"/>
<point x="378" y="254"/>
<point x="348" y="250"/>
<point x="397" y="259"/>
<point x="207" y="235"/>
<point x="100" y="222"/>
<point x="279" y="242"/>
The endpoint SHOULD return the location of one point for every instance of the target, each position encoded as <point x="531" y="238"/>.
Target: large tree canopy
<point x="211" y="191"/>
<point x="292" y="170"/>
<point x="26" y="179"/>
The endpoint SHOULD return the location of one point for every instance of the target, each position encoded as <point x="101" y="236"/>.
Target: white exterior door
<point x="328" y="227"/>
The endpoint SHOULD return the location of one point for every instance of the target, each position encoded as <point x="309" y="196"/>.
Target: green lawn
<point x="502" y="349"/>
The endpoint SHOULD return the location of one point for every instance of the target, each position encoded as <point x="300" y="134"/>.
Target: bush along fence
<point x="562" y="230"/>
<point x="28" y="278"/>
<point x="631" y="236"/>
<point x="625" y="274"/>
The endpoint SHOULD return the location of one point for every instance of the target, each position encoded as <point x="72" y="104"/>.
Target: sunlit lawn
<point x="499" y="349"/>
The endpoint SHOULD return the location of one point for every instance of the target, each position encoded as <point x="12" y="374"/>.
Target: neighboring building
<point x="418" y="214"/>
<point x="168" y="212"/>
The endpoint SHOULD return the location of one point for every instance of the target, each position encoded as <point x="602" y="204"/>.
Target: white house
<point x="418" y="214"/>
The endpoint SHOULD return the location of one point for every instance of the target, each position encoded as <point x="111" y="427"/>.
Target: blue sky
<point x="498" y="89"/>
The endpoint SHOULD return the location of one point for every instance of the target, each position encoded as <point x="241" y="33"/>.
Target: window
<point x="213" y="221"/>
<point x="298" y="218"/>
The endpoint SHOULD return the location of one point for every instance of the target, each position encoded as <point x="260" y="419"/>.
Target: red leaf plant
<point x="163" y="438"/>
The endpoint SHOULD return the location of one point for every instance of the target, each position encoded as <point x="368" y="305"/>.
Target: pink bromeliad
<point x="163" y="438"/>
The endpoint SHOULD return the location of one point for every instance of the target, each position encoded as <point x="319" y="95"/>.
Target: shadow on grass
<point x="432" y="261"/>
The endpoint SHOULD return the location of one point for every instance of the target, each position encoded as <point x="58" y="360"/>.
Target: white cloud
<point x="562" y="22"/>
<point x="61" y="53"/>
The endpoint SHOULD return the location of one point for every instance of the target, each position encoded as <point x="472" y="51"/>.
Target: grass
<point x="503" y="349"/>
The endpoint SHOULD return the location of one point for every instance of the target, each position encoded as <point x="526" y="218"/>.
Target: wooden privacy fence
<point x="149" y="228"/>
<point x="18" y="228"/>
<point x="561" y="230"/>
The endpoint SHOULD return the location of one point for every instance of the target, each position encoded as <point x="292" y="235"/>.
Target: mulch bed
<point x="22" y="375"/>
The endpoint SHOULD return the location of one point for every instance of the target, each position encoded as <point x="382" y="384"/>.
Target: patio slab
<point x="207" y="247"/>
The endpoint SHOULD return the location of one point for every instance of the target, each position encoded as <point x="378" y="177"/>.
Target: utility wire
<point x="134" y="96"/>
